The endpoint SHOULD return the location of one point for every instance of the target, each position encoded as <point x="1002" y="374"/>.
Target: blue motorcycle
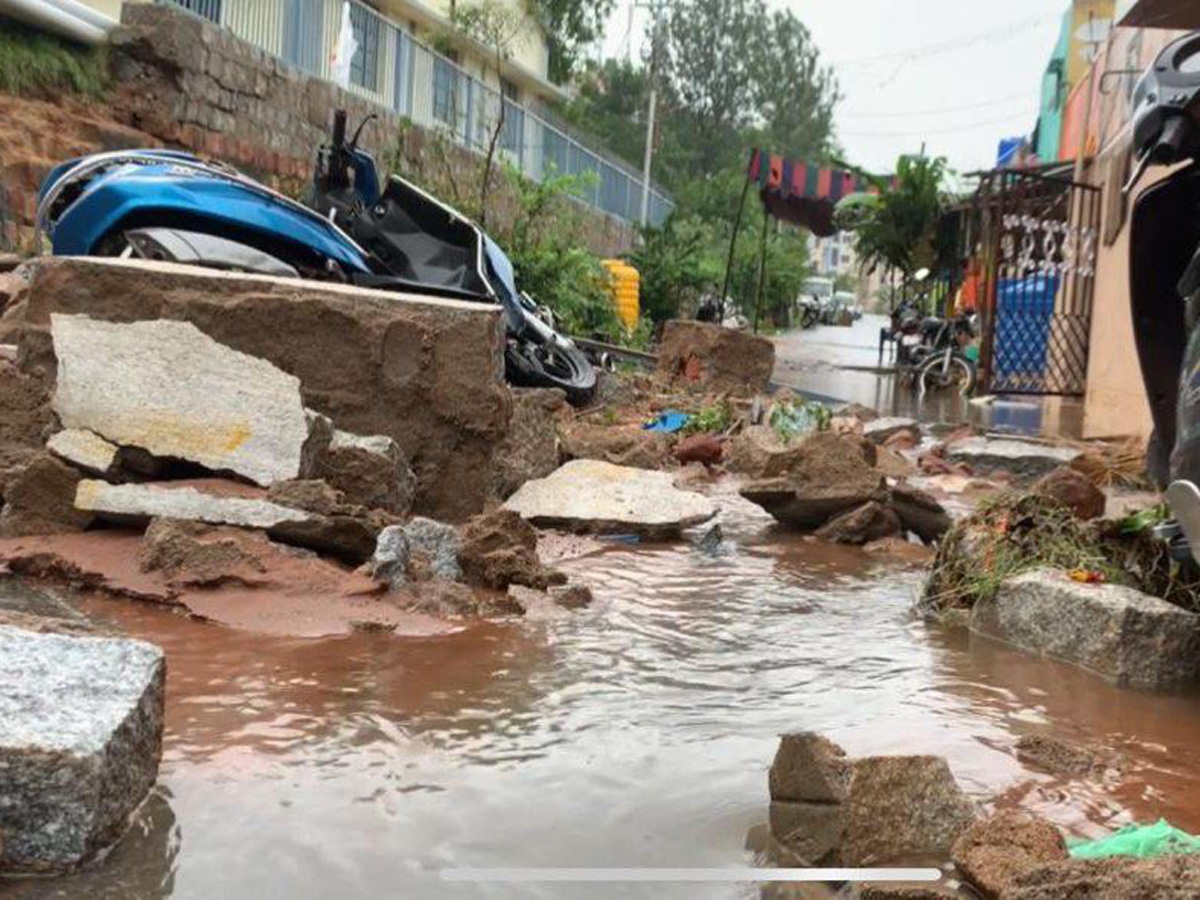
<point x="172" y="206"/>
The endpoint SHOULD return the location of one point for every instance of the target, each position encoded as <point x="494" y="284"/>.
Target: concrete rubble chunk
<point x="808" y="766"/>
<point x="370" y="471"/>
<point x="879" y="431"/>
<point x="813" y="831"/>
<point x="902" y="807"/>
<point x="1074" y="490"/>
<point x="1121" y="634"/>
<point x="38" y="491"/>
<point x="85" y="450"/>
<point x="1171" y="877"/>
<point x="170" y="389"/>
<point x="499" y="549"/>
<point x="1020" y="458"/>
<point x="710" y="356"/>
<point x="920" y="512"/>
<point x="994" y="852"/>
<point x="141" y="502"/>
<point x="80" y="746"/>
<point x="594" y="496"/>
<point x="438" y="543"/>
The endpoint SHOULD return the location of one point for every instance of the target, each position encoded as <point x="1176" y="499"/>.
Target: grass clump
<point x="1008" y="535"/>
<point x="711" y="419"/>
<point x="35" y="64"/>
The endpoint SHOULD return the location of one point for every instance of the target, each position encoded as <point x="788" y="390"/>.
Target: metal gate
<point x="1036" y="237"/>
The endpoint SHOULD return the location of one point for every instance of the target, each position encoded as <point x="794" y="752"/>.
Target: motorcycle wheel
<point x="959" y="375"/>
<point x="532" y="364"/>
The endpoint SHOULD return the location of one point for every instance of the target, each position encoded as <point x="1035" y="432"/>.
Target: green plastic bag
<point x="1143" y="841"/>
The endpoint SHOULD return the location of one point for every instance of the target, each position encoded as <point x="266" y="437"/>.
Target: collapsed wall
<point x="429" y="373"/>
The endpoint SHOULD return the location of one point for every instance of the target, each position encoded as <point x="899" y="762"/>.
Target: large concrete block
<point x="1126" y="636"/>
<point x="80" y="743"/>
<point x="426" y="372"/>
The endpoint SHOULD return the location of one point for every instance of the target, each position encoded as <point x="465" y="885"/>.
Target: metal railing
<point x="393" y="69"/>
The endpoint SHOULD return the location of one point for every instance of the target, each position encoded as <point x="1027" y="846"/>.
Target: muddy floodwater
<point x="636" y="733"/>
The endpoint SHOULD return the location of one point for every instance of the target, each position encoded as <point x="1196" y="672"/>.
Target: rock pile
<point x="830" y="810"/>
<point x="705" y="355"/>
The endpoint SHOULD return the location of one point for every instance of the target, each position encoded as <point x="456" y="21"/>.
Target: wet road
<point x="636" y="733"/>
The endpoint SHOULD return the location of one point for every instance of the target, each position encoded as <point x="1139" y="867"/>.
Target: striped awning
<point x="802" y="193"/>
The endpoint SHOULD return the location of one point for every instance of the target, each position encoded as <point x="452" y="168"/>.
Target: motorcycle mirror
<point x="358" y="131"/>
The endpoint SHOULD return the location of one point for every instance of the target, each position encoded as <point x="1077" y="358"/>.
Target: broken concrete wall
<point x="428" y="373"/>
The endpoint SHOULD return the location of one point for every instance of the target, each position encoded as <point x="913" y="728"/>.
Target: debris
<point x="137" y="503"/>
<point x="435" y="545"/>
<point x="707" y="449"/>
<point x="870" y="522"/>
<point x="712" y="542"/>
<point x="892" y="464"/>
<point x="920" y="512"/>
<point x="709" y="356"/>
<point x="1072" y="489"/>
<point x="1141" y="841"/>
<point x="499" y="548"/>
<point x="370" y="471"/>
<point x="389" y="562"/>
<point x="1021" y="458"/>
<point x="38" y="491"/>
<point x="440" y="597"/>
<point x="193" y="554"/>
<point x="994" y="852"/>
<point x="668" y="422"/>
<point x="80" y="746"/>
<point x="571" y="596"/>
<point x="530" y="447"/>
<point x="597" y="497"/>
<point x="85" y="450"/>
<point x="25" y="414"/>
<point x="901" y="550"/>
<point x="1114" y="878"/>
<point x="789" y="419"/>
<point x="809" y="767"/>
<point x="626" y="445"/>
<point x="880" y="431"/>
<point x="864" y="414"/>
<point x="1127" y="637"/>
<point x="170" y="389"/>
<point x="1114" y="464"/>
<point x="828" y="475"/>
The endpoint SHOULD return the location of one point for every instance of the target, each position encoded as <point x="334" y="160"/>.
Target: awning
<point x="801" y="193"/>
<point x="1162" y="14"/>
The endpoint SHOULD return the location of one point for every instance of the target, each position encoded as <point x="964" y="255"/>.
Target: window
<point x="514" y="118"/>
<point x="445" y="91"/>
<point x="302" y="24"/>
<point x="364" y="68"/>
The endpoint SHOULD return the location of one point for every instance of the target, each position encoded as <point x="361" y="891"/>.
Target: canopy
<point x="801" y="193"/>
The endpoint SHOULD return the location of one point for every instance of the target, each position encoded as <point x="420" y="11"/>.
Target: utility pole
<point x="655" y="6"/>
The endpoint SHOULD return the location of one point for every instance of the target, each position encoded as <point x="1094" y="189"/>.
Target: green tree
<point x="570" y="26"/>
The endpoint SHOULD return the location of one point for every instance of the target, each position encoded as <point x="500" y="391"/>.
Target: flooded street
<point x="635" y="733"/>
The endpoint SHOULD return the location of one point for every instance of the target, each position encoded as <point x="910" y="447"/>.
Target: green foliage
<point x="711" y="419"/>
<point x="789" y="419"/>
<point x="35" y="64"/>
<point x="672" y="264"/>
<point x="901" y="227"/>
<point x="570" y="26"/>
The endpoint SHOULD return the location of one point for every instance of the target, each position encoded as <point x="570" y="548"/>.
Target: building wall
<point x="1054" y="94"/>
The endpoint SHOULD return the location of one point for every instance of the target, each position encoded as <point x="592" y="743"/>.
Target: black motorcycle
<point x="1165" y="274"/>
<point x="938" y="361"/>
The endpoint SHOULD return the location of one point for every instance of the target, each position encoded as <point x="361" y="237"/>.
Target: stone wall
<point x="428" y="373"/>
<point x="189" y="83"/>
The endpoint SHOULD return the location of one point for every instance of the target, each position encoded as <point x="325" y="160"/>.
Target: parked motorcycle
<point x="939" y="361"/>
<point x="1165" y="278"/>
<point x="169" y="205"/>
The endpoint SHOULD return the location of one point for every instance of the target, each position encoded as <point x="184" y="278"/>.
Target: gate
<point x="1036" y="236"/>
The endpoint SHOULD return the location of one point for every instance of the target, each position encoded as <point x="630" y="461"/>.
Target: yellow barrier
<point x="624" y="289"/>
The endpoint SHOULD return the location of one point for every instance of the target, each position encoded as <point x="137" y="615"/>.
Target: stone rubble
<point x="80" y="746"/>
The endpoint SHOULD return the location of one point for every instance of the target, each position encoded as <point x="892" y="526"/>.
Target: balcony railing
<point x="393" y="69"/>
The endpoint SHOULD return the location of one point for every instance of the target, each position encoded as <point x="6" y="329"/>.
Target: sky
<point x="956" y="74"/>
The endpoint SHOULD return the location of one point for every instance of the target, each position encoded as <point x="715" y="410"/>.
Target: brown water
<point x="634" y="734"/>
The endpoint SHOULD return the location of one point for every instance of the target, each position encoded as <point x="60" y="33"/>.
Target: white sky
<point x="957" y="74"/>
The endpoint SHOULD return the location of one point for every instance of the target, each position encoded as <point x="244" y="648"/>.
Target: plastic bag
<point x="1143" y="841"/>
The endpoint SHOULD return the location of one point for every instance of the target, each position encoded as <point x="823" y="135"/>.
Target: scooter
<point x="1165" y="280"/>
<point x="172" y="206"/>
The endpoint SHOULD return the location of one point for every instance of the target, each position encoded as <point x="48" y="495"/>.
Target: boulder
<point x="38" y="493"/>
<point x="621" y="445"/>
<point x="307" y="494"/>
<point x="870" y="522"/>
<point x="809" y="767"/>
<point x="920" y="512"/>
<point x="598" y="497"/>
<point x="424" y="371"/>
<point x="531" y="447"/>
<point x="1073" y="490"/>
<point x="196" y="554"/>
<point x="1113" y="878"/>
<point x="80" y="746"/>
<point x="1022" y="459"/>
<point x="880" y="431"/>
<point x="892" y="464"/>
<point x="760" y="452"/>
<point x="85" y="450"/>
<point x="571" y="596"/>
<point x="500" y="548"/>
<point x="902" y="807"/>
<point x="715" y="358"/>
<point x="994" y="852"/>
<point x="829" y="475"/>
<point x="370" y="471"/>
<point x="1119" y="633"/>
<point x="1066" y="759"/>
<point x="435" y="546"/>
<point x="170" y="389"/>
